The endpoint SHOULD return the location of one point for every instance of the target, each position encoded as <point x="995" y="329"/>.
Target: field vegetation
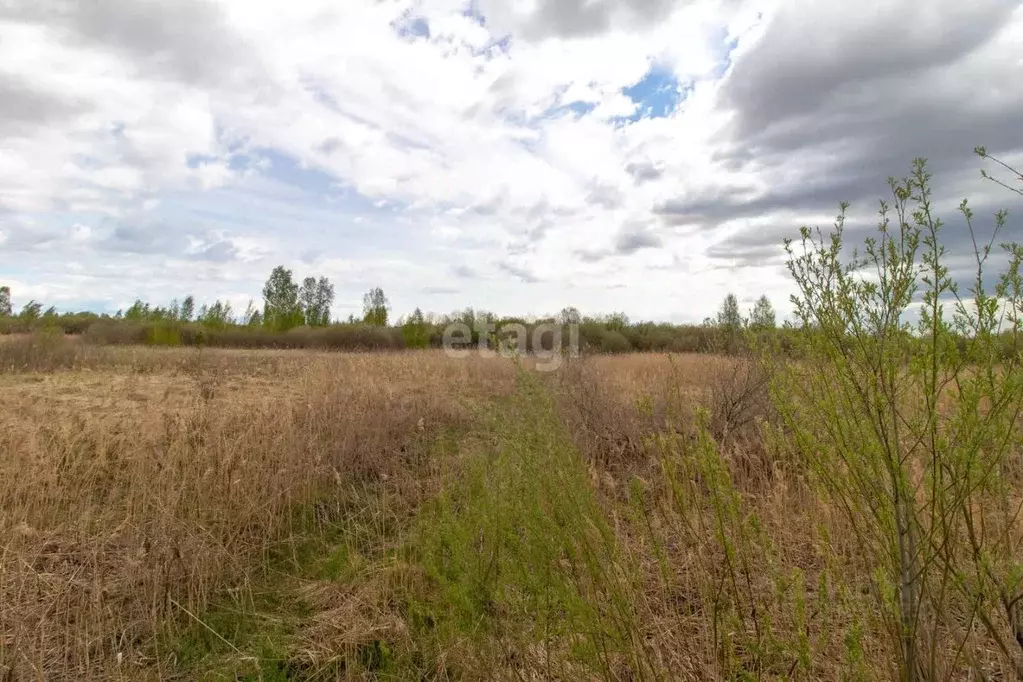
<point x="836" y="500"/>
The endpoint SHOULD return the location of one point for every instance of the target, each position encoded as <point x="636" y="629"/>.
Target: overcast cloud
<point x="514" y="155"/>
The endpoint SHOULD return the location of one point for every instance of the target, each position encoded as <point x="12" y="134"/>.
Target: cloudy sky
<point x="514" y="155"/>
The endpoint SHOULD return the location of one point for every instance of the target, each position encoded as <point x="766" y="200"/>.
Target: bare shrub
<point x="607" y="427"/>
<point x="44" y="352"/>
<point x="115" y="333"/>
<point x="739" y="399"/>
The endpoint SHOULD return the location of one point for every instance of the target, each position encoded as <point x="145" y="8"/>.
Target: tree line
<point x="298" y="315"/>
<point x="288" y="304"/>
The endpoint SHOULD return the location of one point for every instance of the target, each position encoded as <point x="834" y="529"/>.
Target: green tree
<point x="729" y="325"/>
<point x="31" y="312"/>
<point x="415" y="330"/>
<point x="762" y="316"/>
<point x="217" y="316"/>
<point x="569" y="315"/>
<point x="728" y="317"/>
<point x="187" y="309"/>
<point x="910" y="429"/>
<point x="374" y="307"/>
<point x="138" y="312"/>
<point x="307" y="299"/>
<point x="617" y="321"/>
<point x="5" y="301"/>
<point x="250" y="313"/>
<point x="316" y="298"/>
<point x="324" y="300"/>
<point x="281" y="308"/>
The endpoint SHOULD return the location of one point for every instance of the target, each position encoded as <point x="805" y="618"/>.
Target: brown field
<point x="183" y="514"/>
<point x="139" y="489"/>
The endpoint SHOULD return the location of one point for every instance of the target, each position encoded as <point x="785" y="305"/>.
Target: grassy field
<point x="215" y="514"/>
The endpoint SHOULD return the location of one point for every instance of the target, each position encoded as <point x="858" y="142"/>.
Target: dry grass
<point x="632" y="416"/>
<point x="141" y="487"/>
<point x="134" y="493"/>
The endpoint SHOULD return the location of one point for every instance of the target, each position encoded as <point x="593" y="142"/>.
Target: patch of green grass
<point x="511" y="566"/>
<point x="251" y="635"/>
<point x="520" y="566"/>
<point x="342" y="564"/>
<point x="247" y="636"/>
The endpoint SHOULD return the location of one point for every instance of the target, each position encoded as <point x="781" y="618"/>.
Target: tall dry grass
<point x="745" y="572"/>
<point x="138" y="486"/>
<point x="141" y="485"/>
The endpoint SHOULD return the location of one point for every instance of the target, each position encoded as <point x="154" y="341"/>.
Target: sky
<point x="519" y="156"/>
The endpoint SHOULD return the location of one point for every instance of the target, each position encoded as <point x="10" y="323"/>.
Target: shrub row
<point x="592" y="337"/>
<point x="336" y="337"/>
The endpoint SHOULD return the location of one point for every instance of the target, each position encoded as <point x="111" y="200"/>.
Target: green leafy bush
<point x="910" y="425"/>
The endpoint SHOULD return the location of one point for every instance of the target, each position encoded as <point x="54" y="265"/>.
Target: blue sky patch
<point x="196" y="160"/>
<point x="239" y="162"/>
<point x="495" y="48"/>
<point x="321" y="95"/>
<point x="287" y="170"/>
<point x="727" y="60"/>
<point x="498" y="45"/>
<point x="472" y="11"/>
<point x="411" y="27"/>
<point x="578" y="108"/>
<point x="581" y="108"/>
<point x="657" y="95"/>
<point x="322" y="189"/>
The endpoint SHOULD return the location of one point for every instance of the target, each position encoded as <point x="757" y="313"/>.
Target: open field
<point x="216" y="514"/>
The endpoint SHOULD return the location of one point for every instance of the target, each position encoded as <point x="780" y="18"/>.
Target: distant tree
<point x="728" y="316"/>
<point x="5" y="301"/>
<point x="31" y="312"/>
<point x="316" y="298"/>
<point x="374" y="307"/>
<point x="729" y="325"/>
<point x="307" y="299"/>
<point x="138" y="311"/>
<point x="187" y="309"/>
<point x="281" y="309"/>
<point x="250" y="312"/>
<point x="174" y="311"/>
<point x="477" y="321"/>
<point x="415" y="330"/>
<point x="569" y="315"/>
<point x="616" y="321"/>
<point x="217" y="316"/>
<point x="324" y="300"/>
<point x="762" y="316"/>
<point x="256" y="320"/>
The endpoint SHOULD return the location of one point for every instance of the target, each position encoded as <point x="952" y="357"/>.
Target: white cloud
<point x="207" y="142"/>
